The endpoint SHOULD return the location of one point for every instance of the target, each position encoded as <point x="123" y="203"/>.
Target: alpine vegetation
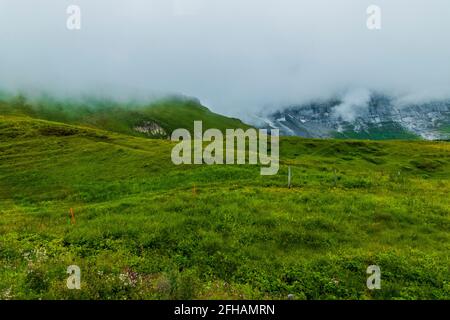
<point x="235" y="147"/>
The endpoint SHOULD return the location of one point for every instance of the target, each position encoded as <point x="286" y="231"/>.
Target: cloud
<point x="354" y="104"/>
<point x="236" y="56"/>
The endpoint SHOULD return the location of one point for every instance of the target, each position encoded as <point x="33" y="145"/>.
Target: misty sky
<point x="236" y="56"/>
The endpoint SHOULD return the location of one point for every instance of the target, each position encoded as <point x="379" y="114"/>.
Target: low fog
<point x="238" y="57"/>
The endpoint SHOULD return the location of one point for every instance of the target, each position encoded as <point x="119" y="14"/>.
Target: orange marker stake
<point x="72" y="218"/>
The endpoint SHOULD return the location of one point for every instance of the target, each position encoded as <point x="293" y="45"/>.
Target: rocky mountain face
<point x="380" y="117"/>
<point x="151" y="128"/>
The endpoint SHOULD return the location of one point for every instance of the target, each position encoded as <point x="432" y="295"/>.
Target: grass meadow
<point x="147" y="229"/>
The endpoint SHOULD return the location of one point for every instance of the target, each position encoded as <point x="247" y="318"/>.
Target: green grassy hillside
<point x="446" y="129"/>
<point x="167" y="114"/>
<point x="387" y="131"/>
<point x="148" y="229"/>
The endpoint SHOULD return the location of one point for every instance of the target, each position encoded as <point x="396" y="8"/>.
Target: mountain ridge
<point x="157" y="119"/>
<point x="380" y="118"/>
